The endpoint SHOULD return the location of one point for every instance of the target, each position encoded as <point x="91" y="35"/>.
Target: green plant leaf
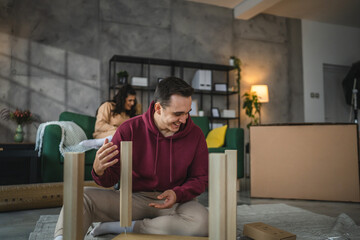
<point x="252" y="108"/>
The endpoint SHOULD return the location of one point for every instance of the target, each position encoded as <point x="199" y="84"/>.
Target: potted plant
<point x="122" y="77"/>
<point x="252" y="110"/>
<point x="252" y="107"/>
<point x="234" y="61"/>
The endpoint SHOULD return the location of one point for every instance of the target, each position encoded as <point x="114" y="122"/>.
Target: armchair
<point x="234" y="139"/>
<point x="52" y="162"/>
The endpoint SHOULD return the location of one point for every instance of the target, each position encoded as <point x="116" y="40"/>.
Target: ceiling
<point x="340" y="12"/>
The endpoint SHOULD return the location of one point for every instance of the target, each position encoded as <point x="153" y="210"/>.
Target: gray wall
<point x="54" y="54"/>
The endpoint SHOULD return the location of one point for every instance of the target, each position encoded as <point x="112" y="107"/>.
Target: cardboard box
<point x="306" y="161"/>
<point x="262" y="231"/>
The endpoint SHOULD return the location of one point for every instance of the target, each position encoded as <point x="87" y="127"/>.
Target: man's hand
<point x="170" y="200"/>
<point x="107" y="151"/>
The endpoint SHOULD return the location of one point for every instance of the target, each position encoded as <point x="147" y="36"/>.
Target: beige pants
<point x="102" y="205"/>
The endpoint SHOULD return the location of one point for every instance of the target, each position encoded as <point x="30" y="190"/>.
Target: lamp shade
<point x="262" y="92"/>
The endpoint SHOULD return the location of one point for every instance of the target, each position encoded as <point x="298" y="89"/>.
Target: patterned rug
<point x="305" y="224"/>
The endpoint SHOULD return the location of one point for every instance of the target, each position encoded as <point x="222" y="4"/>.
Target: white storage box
<point x="139" y="81"/>
<point x="228" y="113"/>
<point x="202" y="80"/>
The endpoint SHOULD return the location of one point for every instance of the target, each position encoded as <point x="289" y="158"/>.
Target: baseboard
<point x="33" y="196"/>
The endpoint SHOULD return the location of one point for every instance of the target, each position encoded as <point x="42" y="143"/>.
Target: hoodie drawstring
<point x="156" y="152"/>
<point x="171" y="161"/>
<point x="171" y="158"/>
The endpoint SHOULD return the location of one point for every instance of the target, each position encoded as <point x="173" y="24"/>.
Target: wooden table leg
<point x="231" y="193"/>
<point x="217" y="196"/>
<point x="126" y="184"/>
<point x="73" y="195"/>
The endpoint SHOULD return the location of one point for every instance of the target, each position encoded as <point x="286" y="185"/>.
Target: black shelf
<point x="215" y="92"/>
<point x="197" y="91"/>
<point x="174" y="63"/>
<point x="148" y="89"/>
<point x="176" y="67"/>
<point x="224" y="118"/>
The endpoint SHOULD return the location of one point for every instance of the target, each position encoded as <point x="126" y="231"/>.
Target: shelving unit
<point x="153" y="68"/>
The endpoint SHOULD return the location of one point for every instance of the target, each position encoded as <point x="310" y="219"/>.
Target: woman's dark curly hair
<point x="120" y="98"/>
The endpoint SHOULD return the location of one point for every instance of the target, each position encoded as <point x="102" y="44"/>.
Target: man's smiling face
<point x="171" y="117"/>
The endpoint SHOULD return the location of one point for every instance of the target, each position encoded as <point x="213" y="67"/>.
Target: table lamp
<point x="263" y="95"/>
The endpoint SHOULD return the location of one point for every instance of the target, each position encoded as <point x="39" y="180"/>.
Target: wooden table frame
<point x="222" y="196"/>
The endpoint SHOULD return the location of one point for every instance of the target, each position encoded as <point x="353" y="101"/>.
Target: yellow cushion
<point x="216" y="137"/>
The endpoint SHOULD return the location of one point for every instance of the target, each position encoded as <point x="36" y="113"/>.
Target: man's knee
<point x="200" y="226"/>
<point x="197" y="217"/>
<point x="89" y="194"/>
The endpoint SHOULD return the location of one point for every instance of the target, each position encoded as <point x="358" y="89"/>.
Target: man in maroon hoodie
<point x="170" y="168"/>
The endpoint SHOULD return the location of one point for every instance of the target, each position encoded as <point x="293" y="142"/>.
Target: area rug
<point x="305" y="224"/>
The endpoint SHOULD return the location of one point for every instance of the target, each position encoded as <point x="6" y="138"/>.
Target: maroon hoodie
<point x="178" y="162"/>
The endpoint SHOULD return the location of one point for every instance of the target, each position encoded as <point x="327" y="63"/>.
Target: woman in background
<point x="114" y="112"/>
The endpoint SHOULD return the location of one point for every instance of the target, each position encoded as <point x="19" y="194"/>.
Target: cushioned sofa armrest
<point x="52" y="163"/>
<point x="51" y="140"/>
<point x="234" y="139"/>
<point x="50" y="154"/>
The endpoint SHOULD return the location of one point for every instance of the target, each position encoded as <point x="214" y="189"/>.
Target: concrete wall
<point x="324" y="44"/>
<point x="54" y="54"/>
<point x="270" y="49"/>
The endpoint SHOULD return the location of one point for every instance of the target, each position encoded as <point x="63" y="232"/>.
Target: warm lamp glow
<point x="262" y="92"/>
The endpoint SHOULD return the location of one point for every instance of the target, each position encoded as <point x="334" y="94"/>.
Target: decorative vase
<point x="19" y="134"/>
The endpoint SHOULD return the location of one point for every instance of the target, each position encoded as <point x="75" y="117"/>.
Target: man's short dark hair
<point x="171" y="86"/>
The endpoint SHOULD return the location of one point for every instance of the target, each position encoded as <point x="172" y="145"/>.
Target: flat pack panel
<point x="310" y="161"/>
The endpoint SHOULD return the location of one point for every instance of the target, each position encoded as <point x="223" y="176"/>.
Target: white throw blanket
<point x="95" y="143"/>
<point x="71" y="136"/>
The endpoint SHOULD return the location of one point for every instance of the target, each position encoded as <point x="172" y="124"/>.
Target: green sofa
<point x="234" y="139"/>
<point x="52" y="162"/>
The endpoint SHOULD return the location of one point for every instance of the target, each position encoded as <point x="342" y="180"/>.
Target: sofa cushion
<point x="87" y="123"/>
<point x="203" y="123"/>
<point x="216" y="137"/>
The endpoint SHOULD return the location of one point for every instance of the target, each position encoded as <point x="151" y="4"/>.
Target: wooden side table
<point x="19" y="163"/>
